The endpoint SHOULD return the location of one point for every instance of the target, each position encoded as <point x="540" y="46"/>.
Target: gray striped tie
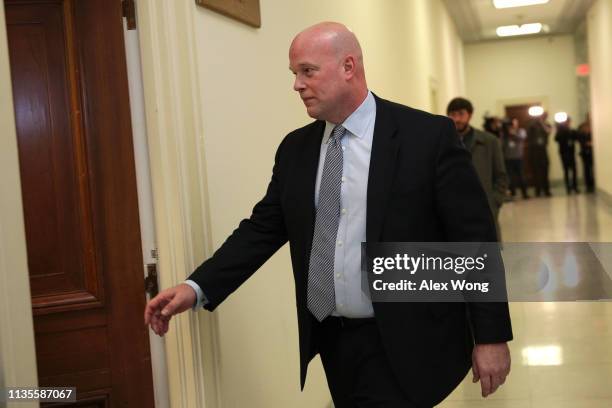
<point x="321" y="295"/>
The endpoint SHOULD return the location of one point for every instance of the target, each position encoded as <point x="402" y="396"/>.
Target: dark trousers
<point x="539" y="166"/>
<point x="356" y="366"/>
<point x="515" y="173"/>
<point x="589" y="178"/>
<point x="569" y="172"/>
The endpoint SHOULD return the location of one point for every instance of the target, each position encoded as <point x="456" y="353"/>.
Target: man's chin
<point x="313" y="113"/>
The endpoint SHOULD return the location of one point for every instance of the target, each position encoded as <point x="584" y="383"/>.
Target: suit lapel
<point x="308" y="177"/>
<point x="382" y="164"/>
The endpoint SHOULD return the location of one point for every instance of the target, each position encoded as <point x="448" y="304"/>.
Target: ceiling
<point x="477" y="20"/>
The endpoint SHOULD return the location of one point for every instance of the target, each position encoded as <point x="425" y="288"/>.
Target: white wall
<point x="17" y="353"/>
<point x="248" y="106"/>
<point x="599" y="23"/>
<point x="508" y="72"/>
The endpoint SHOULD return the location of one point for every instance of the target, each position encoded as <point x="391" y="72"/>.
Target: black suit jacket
<point x="422" y="187"/>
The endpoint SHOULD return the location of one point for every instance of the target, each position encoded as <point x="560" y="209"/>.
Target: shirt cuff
<point x="201" y="300"/>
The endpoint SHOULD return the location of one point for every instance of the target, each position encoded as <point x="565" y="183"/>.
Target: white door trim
<point x="180" y="195"/>
<point x="145" y="201"/>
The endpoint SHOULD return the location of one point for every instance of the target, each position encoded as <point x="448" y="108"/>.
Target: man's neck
<point x="467" y="130"/>
<point x="354" y="102"/>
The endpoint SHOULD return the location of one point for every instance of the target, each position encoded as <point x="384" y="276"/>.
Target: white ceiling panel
<point x="477" y="20"/>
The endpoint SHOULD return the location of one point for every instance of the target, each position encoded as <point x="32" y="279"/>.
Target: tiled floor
<point x="562" y="352"/>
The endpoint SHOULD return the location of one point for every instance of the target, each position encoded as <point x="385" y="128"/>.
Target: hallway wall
<point x="506" y="72"/>
<point x="599" y="21"/>
<point x="17" y="350"/>
<point x="412" y="55"/>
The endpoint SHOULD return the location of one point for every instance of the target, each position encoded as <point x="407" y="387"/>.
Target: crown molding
<point x="466" y="19"/>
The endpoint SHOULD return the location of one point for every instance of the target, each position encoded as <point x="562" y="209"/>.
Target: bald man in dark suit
<point x="365" y="170"/>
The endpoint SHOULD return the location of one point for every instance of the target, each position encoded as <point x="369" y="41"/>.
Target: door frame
<point x="173" y="111"/>
<point x="145" y="201"/>
<point x="502" y="103"/>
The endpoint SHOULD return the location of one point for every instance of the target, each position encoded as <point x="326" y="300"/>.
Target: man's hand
<point x="166" y="304"/>
<point x="490" y="365"/>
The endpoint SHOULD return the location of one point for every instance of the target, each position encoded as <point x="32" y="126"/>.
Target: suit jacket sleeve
<point x="464" y="211"/>
<point x="255" y="240"/>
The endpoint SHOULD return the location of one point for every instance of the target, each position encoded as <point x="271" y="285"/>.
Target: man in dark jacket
<point x="538" y="133"/>
<point x="365" y="170"/>
<point x="585" y="139"/>
<point x="487" y="156"/>
<point x="566" y="138"/>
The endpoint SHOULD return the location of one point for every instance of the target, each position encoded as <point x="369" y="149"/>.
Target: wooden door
<point x="521" y="112"/>
<point x="79" y="196"/>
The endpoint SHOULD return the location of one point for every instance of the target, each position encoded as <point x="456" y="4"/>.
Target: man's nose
<point x="298" y="85"/>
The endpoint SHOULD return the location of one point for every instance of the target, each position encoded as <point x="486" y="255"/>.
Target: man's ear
<point x="349" y="65"/>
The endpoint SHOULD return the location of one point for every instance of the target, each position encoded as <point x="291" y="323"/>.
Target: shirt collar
<point x="357" y="122"/>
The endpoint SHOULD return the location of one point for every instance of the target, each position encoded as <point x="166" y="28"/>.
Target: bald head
<point x="330" y="77"/>
<point x="331" y="37"/>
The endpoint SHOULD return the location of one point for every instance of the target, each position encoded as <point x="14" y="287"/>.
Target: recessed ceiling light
<point x="500" y="4"/>
<point x="536" y="111"/>
<point x="525" y="29"/>
<point x="561" y="117"/>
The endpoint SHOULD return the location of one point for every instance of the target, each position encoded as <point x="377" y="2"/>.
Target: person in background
<point x="586" y="153"/>
<point x="566" y="138"/>
<point x="493" y="125"/>
<point x="513" y="145"/>
<point x="487" y="155"/>
<point x="538" y="133"/>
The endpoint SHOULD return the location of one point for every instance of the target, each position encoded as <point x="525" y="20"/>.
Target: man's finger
<point x="170" y="309"/>
<point x="156" y="320"/>
<point x="154" y="323"/>
<point x="475" y="373"/>
<point x="162" y="327"/>
<point x="485" y="385"/>
<point x="495" y="383"/>
<point x="148" y="312"/>
<point x="155" y="304"/>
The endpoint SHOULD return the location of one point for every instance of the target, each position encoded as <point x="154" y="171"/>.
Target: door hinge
<point x="129" y="12"/>
<point x="150" y="282"/>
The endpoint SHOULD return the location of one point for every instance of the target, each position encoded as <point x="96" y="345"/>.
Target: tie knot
<point x="337" y="133"/>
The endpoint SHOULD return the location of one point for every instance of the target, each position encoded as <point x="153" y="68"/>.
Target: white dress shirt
<point x="357" y="147"/>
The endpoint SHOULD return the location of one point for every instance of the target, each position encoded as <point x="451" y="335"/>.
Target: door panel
<point x="79" y="196"/>
<point x="60" y="249"/>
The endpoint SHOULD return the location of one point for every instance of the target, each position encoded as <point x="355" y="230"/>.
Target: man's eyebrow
<point x="305" y="65"/>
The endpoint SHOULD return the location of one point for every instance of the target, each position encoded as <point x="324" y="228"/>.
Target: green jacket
<point x="488" y="160"/>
